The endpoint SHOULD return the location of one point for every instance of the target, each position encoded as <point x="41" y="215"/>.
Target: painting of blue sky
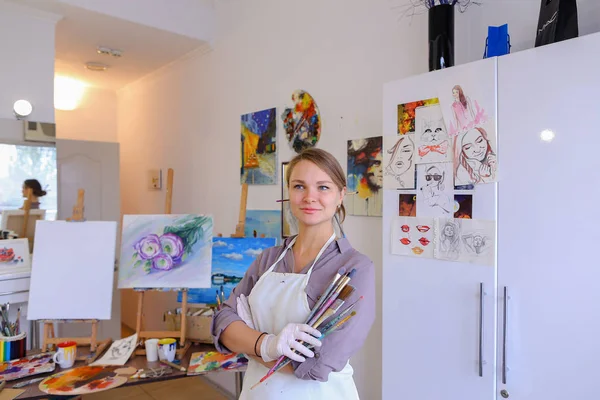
<point x="231" y="257"/>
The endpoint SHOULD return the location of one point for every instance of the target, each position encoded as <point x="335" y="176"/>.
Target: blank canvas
<point x="72" y="270"/>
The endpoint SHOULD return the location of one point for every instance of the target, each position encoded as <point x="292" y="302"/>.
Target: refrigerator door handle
<point x="481" y="294"/>
<point x="504" y="333"/>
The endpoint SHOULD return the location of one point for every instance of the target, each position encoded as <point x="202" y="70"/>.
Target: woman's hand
<point x="286" y="342"/>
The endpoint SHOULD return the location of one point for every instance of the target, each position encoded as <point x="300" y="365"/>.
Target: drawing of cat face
<point x="474" y="145"/>
<point x="434" y="131"/>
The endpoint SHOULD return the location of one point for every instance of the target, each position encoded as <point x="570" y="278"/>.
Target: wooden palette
<point x="26" y="366"/>
<point x="86" y="380"/>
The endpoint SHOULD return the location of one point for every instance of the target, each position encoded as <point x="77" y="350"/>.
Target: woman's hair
<point x="35" y="186"/>
<point x="325" y="161"/>
<point x="461" y="95"/>
<point x="462" y="161"/>
<point x="394" y="150"/>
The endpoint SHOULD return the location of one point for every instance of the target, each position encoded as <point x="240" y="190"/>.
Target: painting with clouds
<point x="231" y="258"/>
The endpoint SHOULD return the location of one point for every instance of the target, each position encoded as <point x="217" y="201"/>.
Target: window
<point x="18" y="163"/>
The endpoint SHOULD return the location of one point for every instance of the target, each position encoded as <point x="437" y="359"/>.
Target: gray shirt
<point x="340" y="345"/>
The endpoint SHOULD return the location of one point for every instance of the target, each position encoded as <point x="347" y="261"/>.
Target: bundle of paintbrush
<point x="332" y="299"/>
<point x="8" y="328"/>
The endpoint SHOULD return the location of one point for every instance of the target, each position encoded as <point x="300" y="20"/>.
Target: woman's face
<point x="402" y="160"/>
<point x="24" y="190"/>
<point x="449" y="231"/>
<point x="433" y="177"/>
<point x="474" y="145"/>
<point x="375" y="172"/>
<point x="455" y="93"/>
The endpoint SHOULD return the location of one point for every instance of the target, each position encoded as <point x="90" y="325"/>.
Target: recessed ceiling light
<point x="547" y="135"/>
<point x="94" y="66"/>
<point x="107" y="51"/>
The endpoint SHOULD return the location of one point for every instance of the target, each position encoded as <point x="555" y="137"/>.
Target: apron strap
<point x="289" y="246"/>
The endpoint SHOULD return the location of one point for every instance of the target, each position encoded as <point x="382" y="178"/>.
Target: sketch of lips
<point x="405" y="241"/>
<point x="422" y="228"/>
<point x="424" y="241"/>
<point x="405" y="228"/>
<point x="417" y="250"/>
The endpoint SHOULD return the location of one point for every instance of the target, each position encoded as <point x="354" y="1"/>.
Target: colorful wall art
<point x="406" y="115"/>
<point x="302" y="123"/>
<point x="231" y="258"/>
<point x="259" y="148"/>
<point x="365" y="177"/>
<point x="14" y="253"/>
<point x="207" y="361"/>
<point x="263" y="222"/>
<point x="166" y="251"/>
<point x="289" y="225"/>
<point x="399" y="158"/>
<point x="412" y="237"/>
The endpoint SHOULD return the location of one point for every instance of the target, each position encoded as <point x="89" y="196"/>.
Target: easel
<point x="50" y="339"/>
<point x="183" y="344"/>
<point x="26" y="208"/>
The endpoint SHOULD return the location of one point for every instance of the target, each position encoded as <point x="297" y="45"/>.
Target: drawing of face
<point x="434" y="131"/>
<point x="474" y="145"/>
<point x="375" y="172"/>
<point x="402" y="158"/>
<point x="449" y="230"/>
<point x="478" y="243"/>
<point x="434" y="177"/>
<point x="455" y="93"/>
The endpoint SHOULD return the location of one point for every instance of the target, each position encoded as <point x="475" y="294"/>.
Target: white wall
<point x="342" y="52"/>
<point x="95" y="119"/>
<point x="27" y="66"/>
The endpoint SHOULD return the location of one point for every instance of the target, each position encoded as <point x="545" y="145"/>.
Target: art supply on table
<point x="119" y="352"/>
<point x="65" y="355"/>
<point x="13" y="347"/>
<point x="28" y="382"/>
<point x="206" y="361"/>
<point x="151" y="346"/>
<point x="152" y="372"/>
<point x="86" y="380"/>
<point x="27" y="366"/>
<point x="166" y="349"/>
<point x="171" y="364"/>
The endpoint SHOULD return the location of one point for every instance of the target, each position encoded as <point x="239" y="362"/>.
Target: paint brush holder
<point x="13" y="347"/>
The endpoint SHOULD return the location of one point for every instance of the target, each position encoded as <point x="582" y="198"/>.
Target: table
<point x="138" y="362"/>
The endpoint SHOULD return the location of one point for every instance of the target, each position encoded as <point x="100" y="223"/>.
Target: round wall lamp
<point x="22" y="109"/>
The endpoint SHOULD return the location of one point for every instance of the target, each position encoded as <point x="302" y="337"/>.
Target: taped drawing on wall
<point x="448" y="234"/>
<point x="475" y="159"/>
<point x="365" y="177"/>
<point x="406" y="115"/>
<point x="465" y="113"/>
<point x="412" y="237"/>
<point x="399" y="162"/>
<point x="466" y="240"/>
<point x="435" y="190"/>
<point x="432" y="141"/>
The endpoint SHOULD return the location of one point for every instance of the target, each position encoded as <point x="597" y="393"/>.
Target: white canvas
<point x="412" y="236"/>
<point x="72" y="270"/>
<point x="399" y="158"/>
<point x="431" y="136"/>
<point x="435" y="191"/>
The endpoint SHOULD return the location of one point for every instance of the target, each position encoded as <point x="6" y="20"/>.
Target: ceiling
<point x="80" y="31"/>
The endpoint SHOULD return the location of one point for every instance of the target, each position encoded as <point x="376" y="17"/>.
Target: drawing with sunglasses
<point x="433" y="190"/>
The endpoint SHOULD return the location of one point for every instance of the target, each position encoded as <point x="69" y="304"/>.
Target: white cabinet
<point x="542" y="342"/>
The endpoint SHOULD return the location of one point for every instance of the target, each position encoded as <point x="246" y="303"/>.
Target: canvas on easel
<point x="72" y="276"/>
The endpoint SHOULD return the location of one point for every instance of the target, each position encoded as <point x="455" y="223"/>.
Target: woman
<point x="401" y="162"/>
<point x="464" y="116"/>
<point x="284" y="283"/>
<point x="434" y="195"/>
<point x="36" y="192"/>
<point x="474" y="158"/>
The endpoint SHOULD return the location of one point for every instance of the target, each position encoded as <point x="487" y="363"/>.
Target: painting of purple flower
<point x="148" y="247"/>
<point x="163" y="262"/>
<point x="172" y="245"/>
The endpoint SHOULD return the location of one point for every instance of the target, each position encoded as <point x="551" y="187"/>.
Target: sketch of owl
<point x="434" y="131"/>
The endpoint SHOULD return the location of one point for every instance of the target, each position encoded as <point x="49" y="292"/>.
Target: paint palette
<point x="206" y="361"/>
<point x="27" y="366"/>
<point x="86" y="380"/>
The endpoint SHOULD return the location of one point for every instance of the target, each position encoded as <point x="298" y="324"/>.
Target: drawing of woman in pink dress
<point x="464" y="115"/>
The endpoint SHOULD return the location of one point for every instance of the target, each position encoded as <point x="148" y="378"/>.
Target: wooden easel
<point x="183" y="344"/>
<point x="50" y="339"/>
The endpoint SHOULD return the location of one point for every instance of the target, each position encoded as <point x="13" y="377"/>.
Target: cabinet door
<point x="94" y="167"/>
<point x="438" y="324"/>
<point x="548" y="240"/>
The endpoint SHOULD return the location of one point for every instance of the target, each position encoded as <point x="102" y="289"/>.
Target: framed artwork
<point x="289" y="226"/>
<point x="365" y="177"/>
<point x="302" y="122"/>
<point x="166" y="251"/>
<point x="263" y="223"/>
<point x="259" y="148"/>
<point x="14" y="253"/>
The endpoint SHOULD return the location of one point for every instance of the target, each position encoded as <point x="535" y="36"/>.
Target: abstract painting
<point x="289" y="225"/>
<point x="27" y="366"/>
<point x="231" y="258"/>
<point x="14" y="253"/>
<point x="166" y="251"/>
<point x="463" y="206"/>
<point x="259" y="148"/>
<point x="399" y="162"/>
<point x="406" y="115"/>
<point x="412" y="237"/>
<point x="407" y="205"/>
<point x="206" y="361"/>
<point x="466" y="240"/>
<point x="435" y="190"/>
<point x="365" y="177"/>
<point x="432" y="141"/>
<point x="86" y="380"/>
<point x="263" y="222"/>
<point x="302" y="123"/>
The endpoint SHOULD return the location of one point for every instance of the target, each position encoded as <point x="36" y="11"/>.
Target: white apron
<point x="276" y="300"/>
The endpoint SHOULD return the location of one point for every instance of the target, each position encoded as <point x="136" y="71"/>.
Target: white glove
<point x="243" y="310"/>
<point x="284" y="344"/>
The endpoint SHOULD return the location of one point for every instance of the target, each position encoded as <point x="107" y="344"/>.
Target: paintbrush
<point x="336" y="305"/>
<point x="343" y="282"/>
<point x="335" y="320"/>
<point x="286" y="362"/>
<point x="29" y="382"/>
<point x="218" y="301"/>
<point x="170" y="364"/>
<point x="328" y="290"/>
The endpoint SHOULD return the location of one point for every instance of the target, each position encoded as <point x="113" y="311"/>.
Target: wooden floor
<point x="192" y="388"/>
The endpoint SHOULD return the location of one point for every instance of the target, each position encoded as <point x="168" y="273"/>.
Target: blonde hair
<point x="328" y="163"/>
